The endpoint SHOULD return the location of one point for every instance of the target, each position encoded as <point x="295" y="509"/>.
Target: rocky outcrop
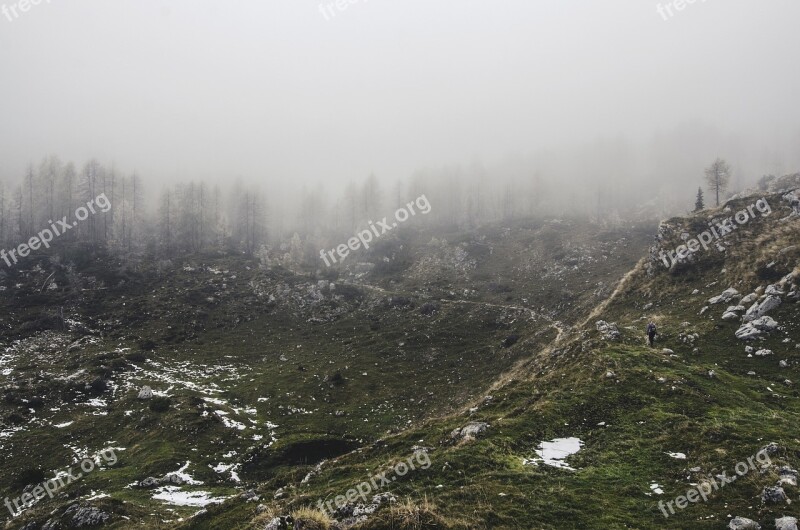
<point x="609" y="331"/>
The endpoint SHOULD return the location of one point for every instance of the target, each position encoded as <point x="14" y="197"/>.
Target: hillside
<point x="646" y="425"/>
<point x="216" y="376"/>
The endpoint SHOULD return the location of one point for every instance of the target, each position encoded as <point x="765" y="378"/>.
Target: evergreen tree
<point x="699" y="204"/>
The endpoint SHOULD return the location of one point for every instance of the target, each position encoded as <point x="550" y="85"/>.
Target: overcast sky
<point x="271" y="89"/>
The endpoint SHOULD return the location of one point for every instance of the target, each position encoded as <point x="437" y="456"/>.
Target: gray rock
<point x="748" y="332"/>
<point x="771" y="449"/>
<point x="764" y="353"/>
<point x="85" y="516"/>
<point x="758" y="310"/>
<point x="743" y="523"/>
<point x="730" y="316"/>
<point x="145" y="393"/>
<point x="786" y="523"/>
<point x="726" y="296"/>
<point x="469" y="431"/>
<point x="773" y="494"/>
<point x="609" y="331"/>
<point x="765" y="324"/>
<point x="774" y="290"/>
<point x="749" y="299"/>
<point x="149" y="482"/>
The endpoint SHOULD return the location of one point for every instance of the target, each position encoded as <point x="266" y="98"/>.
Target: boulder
<point x="756" y="328"/>
<point x="765" y="324"/>
<point x="786" y="523"/>
<point x="774" y="290"/>
<point x="749" y="299"/>
<point x="726" y="296"/>
<point x="748" y="332"/>
<point x="469" y="431"/>
<point x="773" y="495"/>
<point x="743" y="523"/>
<point x="758" y="310"/>
<point x="86" y="516"/>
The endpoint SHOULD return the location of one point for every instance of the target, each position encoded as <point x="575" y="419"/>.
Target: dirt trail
<point x="559" y="326"/>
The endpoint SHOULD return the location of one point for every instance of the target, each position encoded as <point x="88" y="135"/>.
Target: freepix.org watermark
<point x="717" y="231"/>
<point x="375" y="483"/>
<point x="13" y="11"/>
<point x="679" y="5"/>
<point x="329" y="9"/>
<point x="705" y="489"/>
<point x="63" y="478"/>
<point x="364" y="238"/>
<point x="47" y="235"/>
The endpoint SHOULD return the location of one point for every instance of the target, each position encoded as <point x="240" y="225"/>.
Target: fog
<point x="298" y="92"/>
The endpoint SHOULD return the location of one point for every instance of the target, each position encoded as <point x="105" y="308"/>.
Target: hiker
<point x="651" y="333"/>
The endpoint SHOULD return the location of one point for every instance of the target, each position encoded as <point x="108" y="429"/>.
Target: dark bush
<point x="160" y="404"/>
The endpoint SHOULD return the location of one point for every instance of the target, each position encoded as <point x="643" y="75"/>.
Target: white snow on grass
<point x="232" y="424"/>
<point x="554" y="453"/>
<point x="223" y="468"/>
<point x="186" y="477"/>
<point x="176" y="496"/>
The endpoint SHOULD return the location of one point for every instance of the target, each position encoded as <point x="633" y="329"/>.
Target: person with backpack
<point x="651" y="333"/>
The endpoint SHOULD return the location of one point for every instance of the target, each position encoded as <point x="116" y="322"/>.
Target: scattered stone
<point x="726" y="296"/>
<point x="763" y="353"/>
<point x="609" y="331"/>
<point x="748" y="349"/>
<point x="773" y="494"/>
<point x="786" y="523"/>
<point x="749" y="299"/>
<point x="149" y="482"/>
<point x="86" y="516"/>
<point x="788" y="477"/>
<point x="758" y="310"/>
<point x="756" y="328"/>
<point x="774" y="290"/>
<point x="743" y="523"/>
<point x="667" y="351"/>
<point x="783" y="364"/>
<point x="765" y="324"/>
<point x="469" y="432"/>
<point x="145" y="393"/>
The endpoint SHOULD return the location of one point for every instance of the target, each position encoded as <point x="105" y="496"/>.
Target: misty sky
<point x="272" y="90"/>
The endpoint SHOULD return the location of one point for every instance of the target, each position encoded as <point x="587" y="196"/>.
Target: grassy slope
<point x="212" y="328"/>
<point x="716" y="421"/>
